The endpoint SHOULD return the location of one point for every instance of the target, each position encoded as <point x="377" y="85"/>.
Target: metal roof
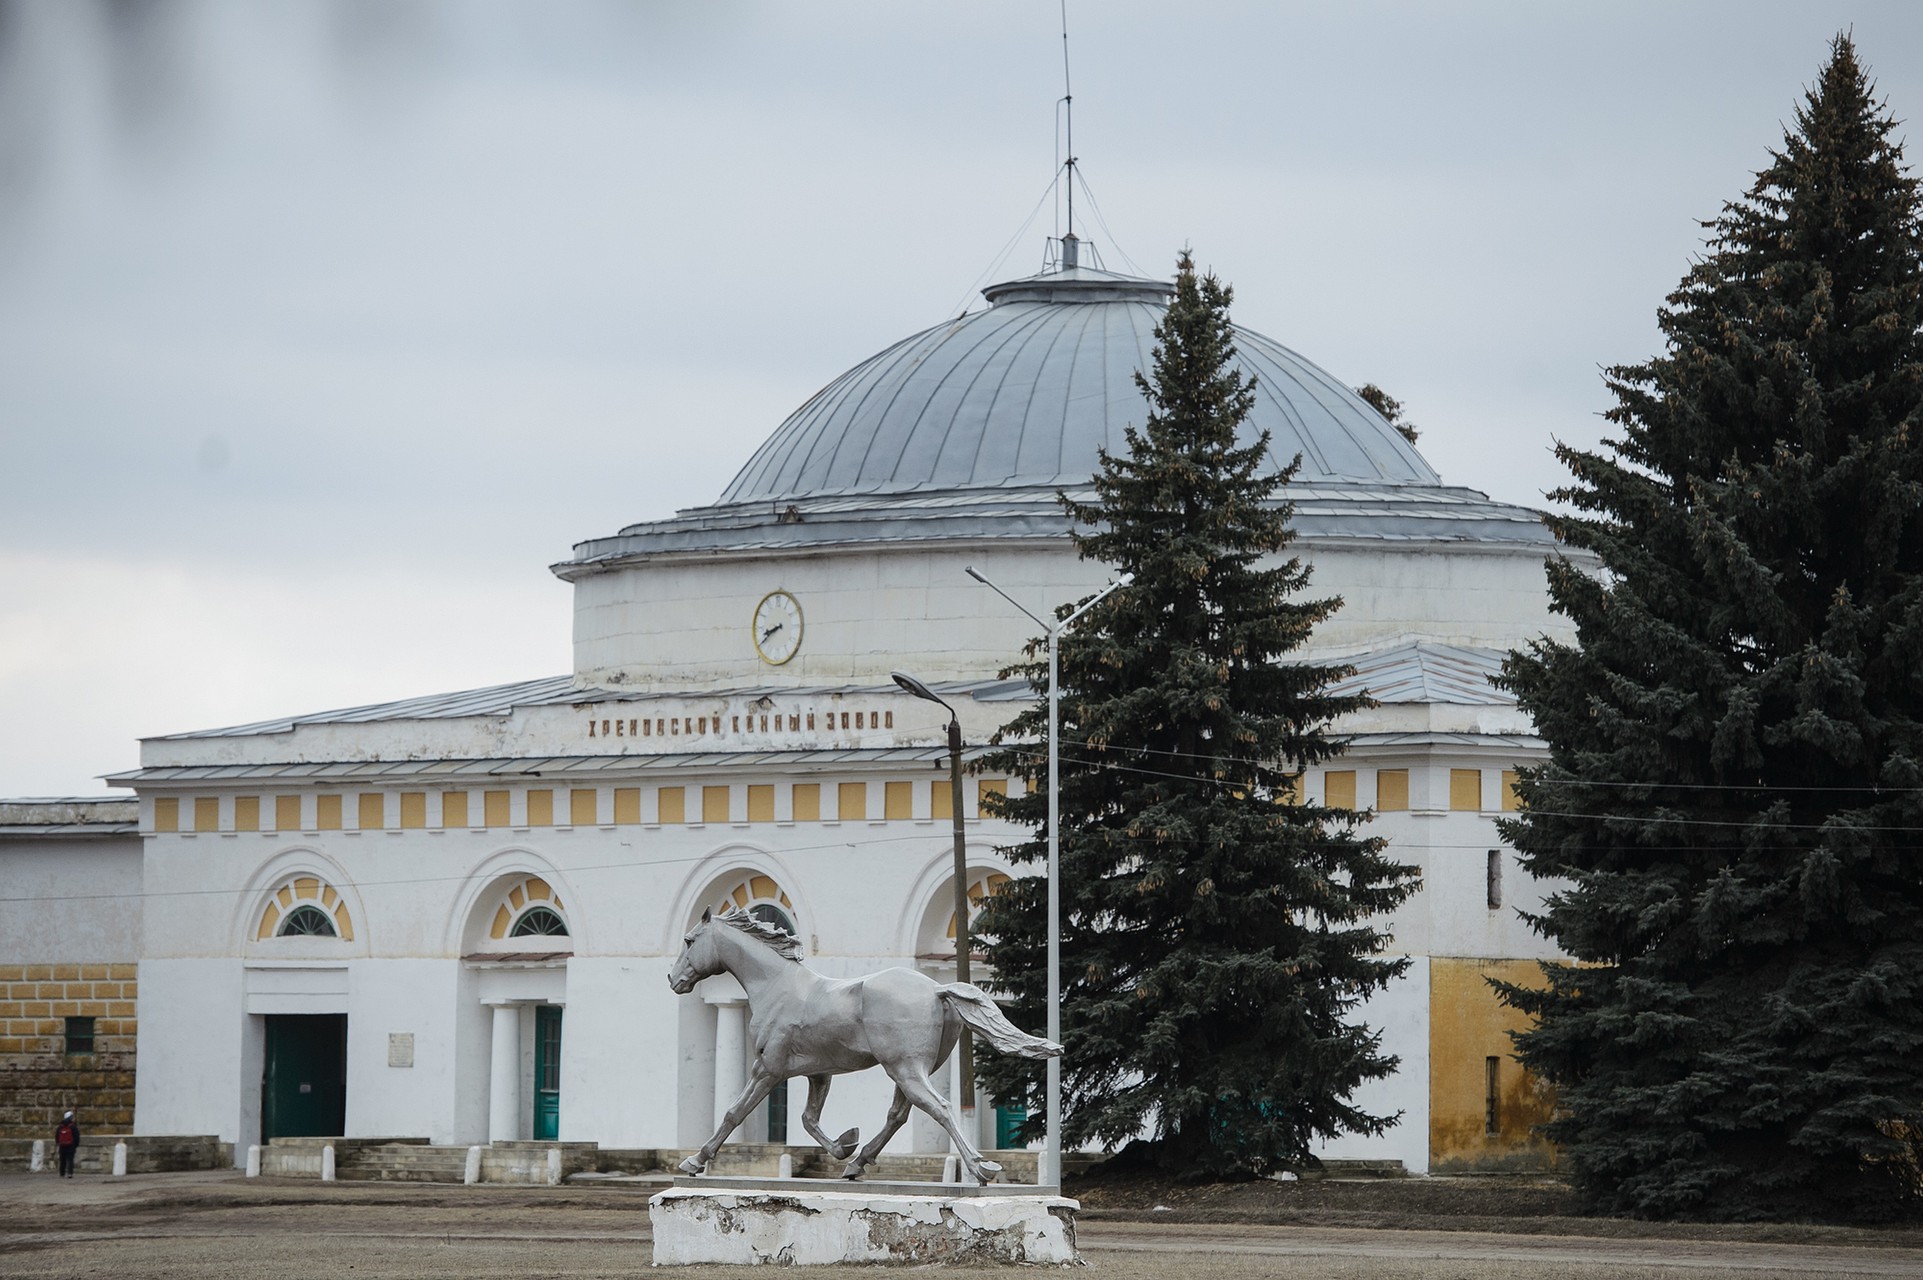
<point x="1428" y="672"/>
<point x="25" y="816"/>
<point x="1324" y="511"/>
<point x="401" y="771"/>
<point x="502" y="699"/>
<point x="1028" y="391"/>
<point x="1419" y="672"/>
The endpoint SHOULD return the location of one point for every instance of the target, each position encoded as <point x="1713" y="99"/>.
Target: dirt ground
<point x="224" y="1225"/>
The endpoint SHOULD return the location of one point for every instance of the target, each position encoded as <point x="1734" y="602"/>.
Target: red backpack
<point x="66" y="1135"/>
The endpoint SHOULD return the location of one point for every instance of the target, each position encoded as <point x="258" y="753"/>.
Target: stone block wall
<point x="39" y="1079"/>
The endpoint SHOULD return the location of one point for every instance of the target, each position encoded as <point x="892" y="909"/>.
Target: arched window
<point x="761" y="898"/>
<point x="305" y="907"/>
<point x="981" y="887"/>
<point x="530" y="908"/>
<point x="307" y="921"/>
<point x="543" y="922"/>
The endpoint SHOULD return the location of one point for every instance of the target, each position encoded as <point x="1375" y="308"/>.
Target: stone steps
<point x="527" y="1163"/>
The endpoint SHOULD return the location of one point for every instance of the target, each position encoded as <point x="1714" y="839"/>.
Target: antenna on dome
<point x="1070" y="245"/>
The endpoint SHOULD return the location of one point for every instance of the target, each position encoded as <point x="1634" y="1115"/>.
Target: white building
<point x="452" y="917"/>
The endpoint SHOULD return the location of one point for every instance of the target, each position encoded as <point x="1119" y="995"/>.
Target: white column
<point x="504" y="1076"/>
<point x="730" y="1059"/>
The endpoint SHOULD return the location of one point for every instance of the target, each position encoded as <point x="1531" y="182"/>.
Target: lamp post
<point x="963" y="946"/>
<point x="1051" y="1170"/>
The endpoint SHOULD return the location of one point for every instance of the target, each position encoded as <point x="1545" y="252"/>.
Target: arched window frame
<point x="761" y="896"/>
<point x="520" y="898"/>
<point x="304" y="890"/>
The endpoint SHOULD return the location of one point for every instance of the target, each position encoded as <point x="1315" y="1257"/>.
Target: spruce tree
<point x="1216" y="940"/>
<point x="1390" y="408"/>
<point x="1734" y="791"/>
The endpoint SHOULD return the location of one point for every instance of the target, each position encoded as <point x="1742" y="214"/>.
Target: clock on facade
<point x="777" y="627"/>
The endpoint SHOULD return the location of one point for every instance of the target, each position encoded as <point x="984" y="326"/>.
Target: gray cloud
<point x="424" y="293"/>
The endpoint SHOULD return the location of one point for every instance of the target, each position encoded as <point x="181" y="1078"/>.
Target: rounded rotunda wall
<point x="686" y="623"/>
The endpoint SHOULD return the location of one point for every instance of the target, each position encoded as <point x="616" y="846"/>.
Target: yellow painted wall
<point x="898" y="801"/>
<point x="627" y="805"/>
<point x="413" y="810"/>
<point x="540" y="807"/>
<point x="35" y="1002"/>
<point x="1465" y="790"/>
<point x="1467" y="1027"/>
<point x="584" y="807"/>
<point x="941" y="800"/>
<point x="453" y="808"/>
<point x="671" y="805"/>
<point x="806" y="799"/>
<point x="287" y="813"/>
<point x="714" y="804"/>
<point x="1392" y="790"/>
<point x="1338" y="789"/>
<point x="327" y="813"/>
<point x="852" y="801"/>
<point x="761" y="802"/>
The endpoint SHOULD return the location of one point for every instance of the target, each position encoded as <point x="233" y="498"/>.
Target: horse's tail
<point x="985" y="1016"/>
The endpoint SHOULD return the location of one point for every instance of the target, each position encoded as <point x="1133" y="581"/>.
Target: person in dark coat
<point x="66" y="1136"/>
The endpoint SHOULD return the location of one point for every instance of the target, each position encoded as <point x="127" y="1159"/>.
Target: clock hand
<point x="770" y="631"/>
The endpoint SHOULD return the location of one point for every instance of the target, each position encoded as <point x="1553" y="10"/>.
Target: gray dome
<point x="1024" y="394"/>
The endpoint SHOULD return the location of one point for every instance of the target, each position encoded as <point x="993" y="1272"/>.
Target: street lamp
<point x="966" y="1048"/>
<point x="1051" y="1170"/>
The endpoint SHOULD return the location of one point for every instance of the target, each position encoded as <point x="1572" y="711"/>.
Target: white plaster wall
<point x="1401" y="1013"/>
<point x="619" y="1056"/>
<point x="194" y="1072"/>
<point x="413" y="996"/>
<point x="637" y="1061"/>
<point x="70" y="901"/>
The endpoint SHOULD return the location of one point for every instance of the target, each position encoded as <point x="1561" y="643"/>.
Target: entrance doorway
<point x="547" y="1072"/>
<point x="1009" y="1119"/>
<point x="303" y="1091"/>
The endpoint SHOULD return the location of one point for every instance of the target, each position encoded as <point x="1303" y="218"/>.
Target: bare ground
<point x="222" y="1225"/>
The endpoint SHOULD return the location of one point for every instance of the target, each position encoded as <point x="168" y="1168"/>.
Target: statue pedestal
<point x="816" y="1222"/>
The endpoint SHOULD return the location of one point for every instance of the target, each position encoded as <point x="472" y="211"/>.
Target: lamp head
<point x="970" y="571"/>
<point x="911" y="685"/>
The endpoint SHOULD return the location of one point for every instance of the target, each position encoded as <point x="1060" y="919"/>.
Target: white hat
<point x="68" y="1116"/>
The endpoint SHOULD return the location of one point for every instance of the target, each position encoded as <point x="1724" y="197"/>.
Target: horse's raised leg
<point x="897" y="1116"/>
<point x="760" y="1085"/>
<point x="915" y="1084"/>
<point x="840" y="1148"/>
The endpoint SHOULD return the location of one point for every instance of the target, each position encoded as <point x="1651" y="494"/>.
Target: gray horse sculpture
<point x="802" y="1024"/>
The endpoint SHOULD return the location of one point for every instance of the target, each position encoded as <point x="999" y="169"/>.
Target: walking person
<point x="66" y="1136"/>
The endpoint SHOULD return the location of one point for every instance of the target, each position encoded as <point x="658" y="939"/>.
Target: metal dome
<point x="1025" y="392"/>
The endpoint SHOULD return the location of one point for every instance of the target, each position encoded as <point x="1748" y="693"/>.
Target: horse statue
<point x="802" y="1024"/>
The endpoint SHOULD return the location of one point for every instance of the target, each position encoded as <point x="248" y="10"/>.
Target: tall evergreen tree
<point x="1734" y="793"/>
<point x="1216" y="941"/>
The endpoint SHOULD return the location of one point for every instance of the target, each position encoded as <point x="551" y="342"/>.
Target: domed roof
<point x="1025" y="393"/>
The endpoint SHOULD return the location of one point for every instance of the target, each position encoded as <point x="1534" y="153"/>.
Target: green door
<point x="1009" y="1119"/>
<point x="303" y="1092"/>
<point x="547" y="1072"/>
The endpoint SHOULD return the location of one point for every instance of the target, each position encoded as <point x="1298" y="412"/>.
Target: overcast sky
<point x="325" y="328"/>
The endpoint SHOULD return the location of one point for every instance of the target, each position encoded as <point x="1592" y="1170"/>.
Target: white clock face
<point x="777" y="627"/>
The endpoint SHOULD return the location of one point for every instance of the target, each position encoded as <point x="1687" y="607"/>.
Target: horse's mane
<point x="784" y="943"/>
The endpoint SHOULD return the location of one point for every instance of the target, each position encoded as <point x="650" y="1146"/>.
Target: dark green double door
<point x="303" y="1092"/>
<point x="547" y="1072"/>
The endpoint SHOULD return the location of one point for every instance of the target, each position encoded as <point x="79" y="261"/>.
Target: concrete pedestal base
<point x="797" y="1225"/>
